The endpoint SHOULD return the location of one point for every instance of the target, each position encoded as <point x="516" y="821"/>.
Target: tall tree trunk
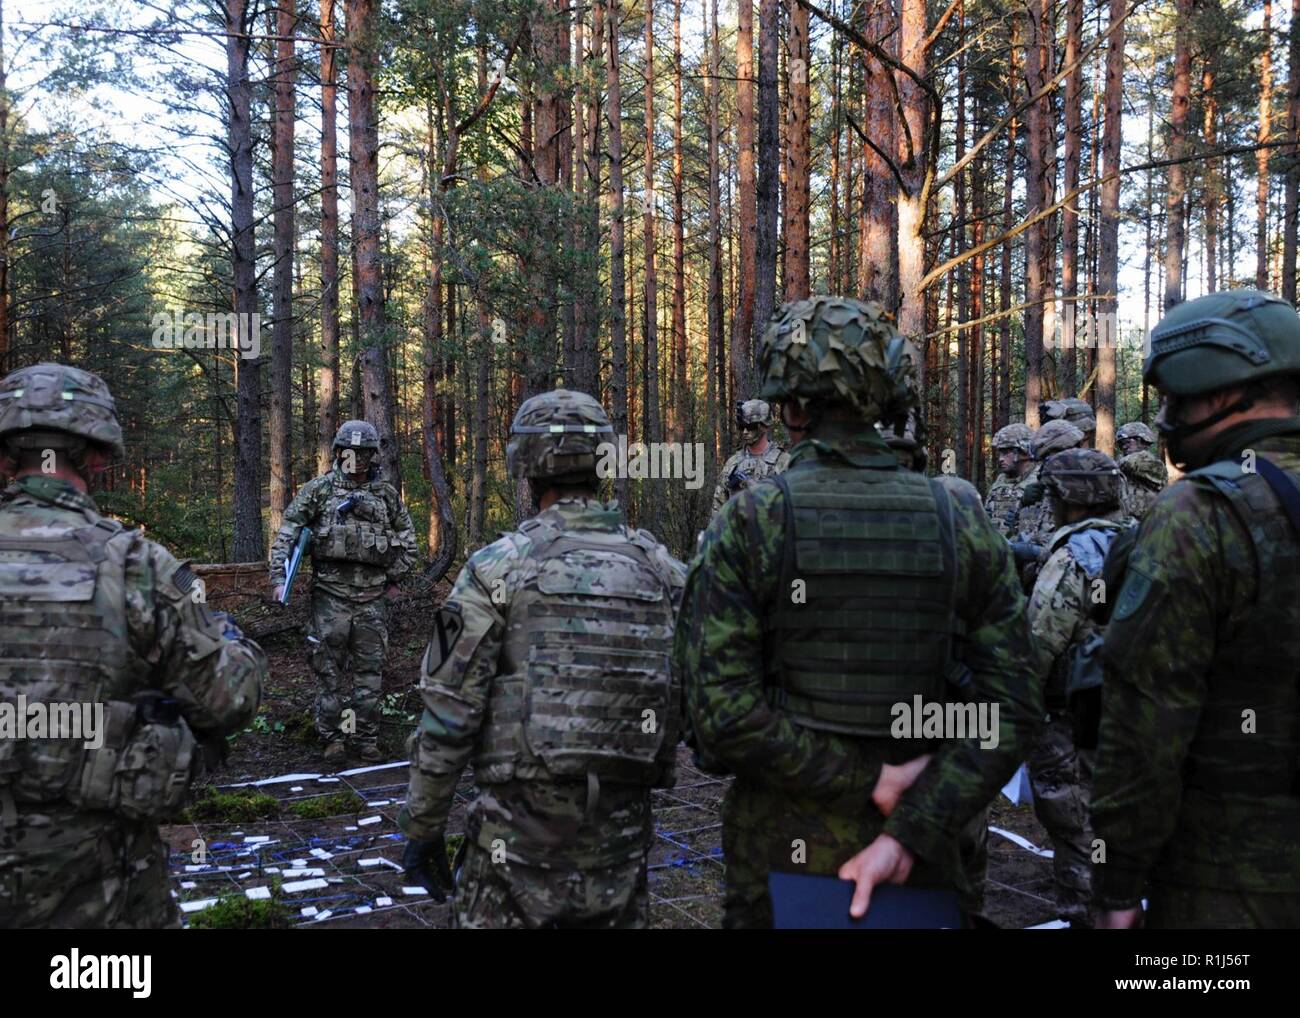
<point x="363" y="157"/>
<point x="797" y="155"/>
<point x="328" y="375"/>
<point x="650" y="416"/>
<point x="1070" y="308"/>
<point x="1178" y="150"/>
<point x="715" y="233"/>
<point x="912" y="162"/>
<point x="677" y="395"/>
<point x="4" y="202"/>
<point x="743" y="326"/>
<point x="248" y="544"/>
<point x="1108" y="256"/>
<point x="1210" y="174"/>
<point x="281" y="444"/>
<point x="617" y="266"/>
<point x="1008" y="221"/>
<point x="769" y="143"/>
<point x="1037" y="254"/>
<point x="878" y="250"/>
<point x="1261" y="157"/>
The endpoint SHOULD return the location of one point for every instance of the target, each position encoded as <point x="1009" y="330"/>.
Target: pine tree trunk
<point x="617" y="266"/>
<point x="650" y="320"/>
<point x="281" y="426"/>
<point x="797" y="154"/>
<point x="1178" y="150"/>
<point x="1037" y="255"/>
<point x="877" y="247"/>
<point x="912" y="162"/>
<point x="769" y="143"/>
<point x="715" y="323"/>
<point x="327" y="376"/>
<point x="1108" y="256"/>
<point x="1210" y="174"/>
<point x="743" y="326"/>
<point x="677" y="394"/>
<point x="1067" y="377"/>
<point x="1261" y="157"/>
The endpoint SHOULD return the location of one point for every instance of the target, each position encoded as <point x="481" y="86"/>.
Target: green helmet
<point x="56" y="406"/>
<point x="1014" y="436"/>
<point x="357" y="435"/>
<point x="1144" y="469"/>
<point x="750" y="412"/>
<point x="1082" y="477"/>
<point x="1055" y="436"/>
<point x="1223" y="339"/>
<point x="1138" y="430"/>
<point x="1077" y="411"/>
<point x="556" y="435"/>
<point x="837" y="348"/>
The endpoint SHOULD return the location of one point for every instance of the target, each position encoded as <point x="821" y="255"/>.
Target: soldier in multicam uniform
<point x="1196" y="788"/>
<point x="1015" y="467"/>
<point x="1145" y="474"/>
<point x="549" y="669"/>
<point x="1035" y="524"/>
<point x="362" y="544"/>
<point x="757" y="458"/>
<point x="793" y="660"/>
<point x="1074" y="410"/>
<point x="95" y="614"/>
<point x="1083" y="490"/>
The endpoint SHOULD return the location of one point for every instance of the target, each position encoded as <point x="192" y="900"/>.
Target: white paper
<point x="369" y="820"/>
<point x="293" y="887"/>
<point x="414" y="890"/>
<point x="383" y="902"/>
<point x="198" y="906"/>
<point x="258" y="893"/>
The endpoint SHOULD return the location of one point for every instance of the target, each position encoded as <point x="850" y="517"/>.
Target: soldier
<point x="792" y="657"/>
<point x="1074" y="410"/>
<point x="1015" y="463"/>
<point x="101" y="624"/>
<point x="1134" y="437"/>
<point x="1195" y="792"/>
<point x="1145" y="474"/>
<point x="1035" y="524"/>
<point x="362" y="543"/>
<point x="549" y="669"/>
<point x="758" y="457"/>
<point x="1083" y="487"/>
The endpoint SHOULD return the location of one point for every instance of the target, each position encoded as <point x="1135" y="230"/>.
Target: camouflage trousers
<point x="347" y="637"/>
<point x="494" y="896"/>
<point x="1060" y="776"/>
<point x="1182" y="907"/>
<point x="113" y="878"/>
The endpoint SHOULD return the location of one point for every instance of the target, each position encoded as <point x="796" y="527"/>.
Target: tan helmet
<point x="1055" y="436"/>
<point x="1014" y="436"/>
<point x="57" y="406"/>
<point x="555" y="436"/>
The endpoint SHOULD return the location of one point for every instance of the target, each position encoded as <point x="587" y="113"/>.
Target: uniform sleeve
<point x="1157" y="655"/>
<point x="404" y="532"/>
<point x="964" y="775"/>
<point x="718" y="651"/>
<point x="455" y="683"/>
<point x="199" y="658"/>
<point x="1057" y="608"/>
<point x="720" y="494"/>
<point x="675" y="572"/>
<point x="300" y="513"/>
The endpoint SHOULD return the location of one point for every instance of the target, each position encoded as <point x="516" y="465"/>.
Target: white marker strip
<point x="369" y="820"/>
<point x="295" y="886"/>
<point x="1024" y="843"/>
<point x="258" y="893"/>
<point x="197" y="906"/>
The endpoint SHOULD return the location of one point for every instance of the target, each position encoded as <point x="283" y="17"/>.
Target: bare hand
<point x="894" y="781"/>
<point x="884" y="861"/>
<point x="1120" y="919"/>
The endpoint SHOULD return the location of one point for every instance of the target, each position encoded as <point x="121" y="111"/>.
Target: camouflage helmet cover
<point x="51" y="400"/>
<point x="1014" y="436"/>
<point x="1223" y="339"/>
<point x="1144" y="469"/>
<point x="1135" y="429"/>
<point x="1077" y="411"/>
<point x="1082" y="477"/>
<point x="555" y="436"/>
<point x="753" y="411"/>
<point x="837" y="348"/>
<point x="357" y="435"/>
<point x="1055" y="436"/>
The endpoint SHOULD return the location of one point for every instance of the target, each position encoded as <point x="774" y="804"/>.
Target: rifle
<point x="736" y="480"/>
<point x="295" y="561"/>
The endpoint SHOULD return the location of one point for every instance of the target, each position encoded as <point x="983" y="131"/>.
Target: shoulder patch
<point x="448" y="624"/>
<point x="1137" y="588"/>
<point x="183" y="579"/>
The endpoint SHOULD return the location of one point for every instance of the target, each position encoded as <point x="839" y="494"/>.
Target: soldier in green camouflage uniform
<point x="362" y="543"/>
<point x="1083" y="487"/>
<point x="549" y="669"/>
<point x="757" y="458"/>
<point x="1015" y="469"/>
<point x="764" y="632"/>
<point x="1145" y="474"/>
<point x="1196" y="793"/>
<point x="94" y="614"/>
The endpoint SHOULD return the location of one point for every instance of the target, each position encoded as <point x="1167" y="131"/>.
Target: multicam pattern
<point x="744" y="469"/>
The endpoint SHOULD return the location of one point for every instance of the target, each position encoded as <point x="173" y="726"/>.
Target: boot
<point x="335" y="752"/>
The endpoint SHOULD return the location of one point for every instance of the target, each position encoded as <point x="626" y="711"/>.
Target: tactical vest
<point x="865" y="617"/>
<point x="63" y="644"/>
<point x="1002" y="505"/>
<point x="364" y="534"/>
<point x="1258" y="667"/>
<point x="585" y="688"/>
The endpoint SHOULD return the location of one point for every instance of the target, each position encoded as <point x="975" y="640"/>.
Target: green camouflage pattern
<point x="64" y="867"/>
<point x="801" y="799"/>
<point x="1192" y="588"/>
<point x="348" y="644"/>
<point x="1144" y="478"/>
<point x="56" y="397"/>
<point x="748" y="469"/>
<point x="581" y="838"/>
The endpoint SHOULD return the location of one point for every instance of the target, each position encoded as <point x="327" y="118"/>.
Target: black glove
<point x="1026" y="552"/>
<point x="426" y="864"/>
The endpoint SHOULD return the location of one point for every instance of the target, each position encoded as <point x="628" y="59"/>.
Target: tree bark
<point x="677" y="395"/>
<point x="281" y="444"/>
<point x="650" y="297"/>
<point x="797" y="154"/>
<point x="1178" y="147"/>
<point x="1261" y="157"/>
<point x="878" y="249"/>
<point x="617" y="266"/>
<point x="1067" y="374"/>
<point x="769" y="142"/>
<point x="912" y="163"/>
<point x="1108" y="256"/>
<point x="328" y="374"/>
<point x="1037" y="254"/>
<point x="743" y="326"/>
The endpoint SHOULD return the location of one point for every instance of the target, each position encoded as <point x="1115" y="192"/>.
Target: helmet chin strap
<point x="1176" y="434"/>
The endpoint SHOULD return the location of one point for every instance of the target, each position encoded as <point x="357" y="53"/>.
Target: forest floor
<point x="290" y="844"/>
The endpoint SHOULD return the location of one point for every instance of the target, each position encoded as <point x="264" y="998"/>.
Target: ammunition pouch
<point x="355" y="541"/>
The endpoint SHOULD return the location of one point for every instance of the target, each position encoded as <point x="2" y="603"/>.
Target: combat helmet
<point x="1223" y="339"/>
<point x="1014" y="436"/>
<point x="838" y="349"/>
<point x="1082" y="477"/>
<point x="1144" y="469"/>
<point x="57" y="406"/>
<point x="357" y="435"/>
<point x="1077" y="411"/>
<point x="753" y="413"/>
<point x="1138" y="430"/>
<point x="1055" y="436"/>
<point x="907" y="439"/>
<point x="555" y="436"/>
